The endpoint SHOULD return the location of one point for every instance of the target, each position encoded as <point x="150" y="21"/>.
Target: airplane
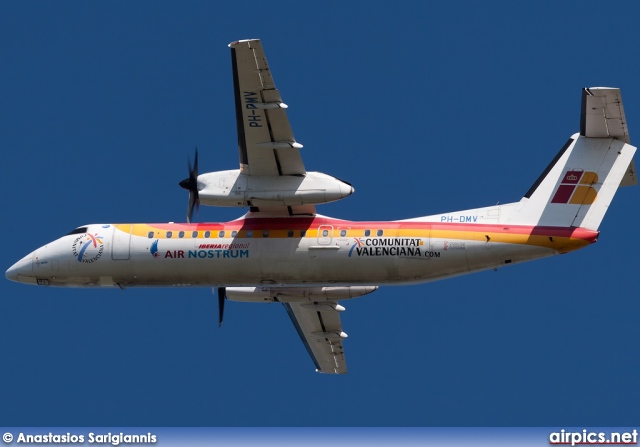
<point x="282" y="251"/>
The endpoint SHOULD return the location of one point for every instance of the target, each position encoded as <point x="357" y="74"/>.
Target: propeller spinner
<point x="191" y="185"/>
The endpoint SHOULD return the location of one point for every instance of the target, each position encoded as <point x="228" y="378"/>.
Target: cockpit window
<point x="79" y="230"/>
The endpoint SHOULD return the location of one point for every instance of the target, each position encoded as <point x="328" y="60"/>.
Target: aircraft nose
<point x="12" y="273"/>
<point x="21" y="271"/>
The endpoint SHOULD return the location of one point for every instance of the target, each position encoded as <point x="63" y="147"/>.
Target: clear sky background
<point x="424" y="107"/>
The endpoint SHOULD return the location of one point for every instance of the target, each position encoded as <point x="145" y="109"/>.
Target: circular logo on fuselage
<point x="87" y="248"/>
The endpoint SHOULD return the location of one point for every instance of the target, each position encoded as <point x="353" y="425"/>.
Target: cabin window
<point x="181" y="234"/>
<point x="169" y="234"/>
<point x="150" y="235"/>
<point x="303" y="233"/>
<point x="325" y="233"/>
<point x="194" y="234"/>
<point x="367" y="233"/>
<point x="221" y="233"/>
<point x="234" y="233"/>
<point x="249" y="233"/>
<point x="379" y="233"/>
<point x="207" y="233"/>
<point x="265" y="233"/>
<point x="290" y="233"/>
<point x="343" y="233"/>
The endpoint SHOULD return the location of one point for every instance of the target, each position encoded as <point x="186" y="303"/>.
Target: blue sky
<point x="424" y="107"/>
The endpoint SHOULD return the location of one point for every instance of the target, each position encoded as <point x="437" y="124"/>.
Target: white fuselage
<point x="293" y="252"/>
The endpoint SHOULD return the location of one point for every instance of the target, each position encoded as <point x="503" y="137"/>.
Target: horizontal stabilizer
<point x="602" y="114"/>
<point x="578" y="186"/>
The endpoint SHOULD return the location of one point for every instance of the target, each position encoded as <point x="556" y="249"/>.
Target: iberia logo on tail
<point x="575" y="188"/>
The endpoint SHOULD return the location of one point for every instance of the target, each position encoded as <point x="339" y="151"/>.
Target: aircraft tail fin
<point x="577" y="187"/>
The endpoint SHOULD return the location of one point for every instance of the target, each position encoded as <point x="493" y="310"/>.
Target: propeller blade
<point x="221" y="297"/>
<point x="191" y="185"/>
<point x="192" y="201"/>
<point x="195" y="167"/>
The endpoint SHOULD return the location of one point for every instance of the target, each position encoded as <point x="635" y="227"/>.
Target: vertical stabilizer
<point x="577" y="187"/>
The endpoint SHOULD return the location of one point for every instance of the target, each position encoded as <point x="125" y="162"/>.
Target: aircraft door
<point x="120" y="243"/>
<point x="325" y="234"/>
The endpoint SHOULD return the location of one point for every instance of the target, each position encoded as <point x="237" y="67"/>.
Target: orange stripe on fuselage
<point x="562" y="239"/>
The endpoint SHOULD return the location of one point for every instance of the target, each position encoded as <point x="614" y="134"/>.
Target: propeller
<point x="221" y="297"/>
<point x="191" y="185"/>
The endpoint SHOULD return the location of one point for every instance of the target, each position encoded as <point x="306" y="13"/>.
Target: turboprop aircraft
<point x="281" y="250"/>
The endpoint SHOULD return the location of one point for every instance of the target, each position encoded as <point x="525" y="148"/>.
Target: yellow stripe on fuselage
<point x="516" y="235"/>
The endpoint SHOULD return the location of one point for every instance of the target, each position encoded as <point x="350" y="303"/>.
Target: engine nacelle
<point x="297" y="294"/>
<point x="233" y="188"/>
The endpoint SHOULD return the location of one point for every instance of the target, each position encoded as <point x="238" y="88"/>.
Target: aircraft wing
<point x="321" y="333"/>
<point x="266" y="144"/>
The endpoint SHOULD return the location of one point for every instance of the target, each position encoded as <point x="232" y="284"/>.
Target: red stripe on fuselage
<point x="304" y="223"/>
